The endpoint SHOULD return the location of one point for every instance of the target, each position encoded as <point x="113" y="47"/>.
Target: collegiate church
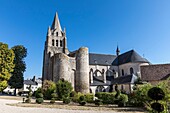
<point x="88" y="72"/>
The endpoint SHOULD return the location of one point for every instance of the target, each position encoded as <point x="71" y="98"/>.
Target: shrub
<point x="122" y="100"/>
<point x="98" y="102"/>
<point x="156" y="93"/>
<point x="52" y="101"/>
<point x="117" y="94"/>
<point x="39" y="95"/>
<point x="82" y="100"/>
<point x="66" y="100"/>
<point x="48" y="88"/>
<point x="139" y="97"/>
<point x="76" y="97"/>
<point x="73" y="94"/>
<point x="107" y="98"/>
<point x="89" y="97"/>
<point x="39" y="100"/>
<point x="54" y="95"/>
<point x="64" y="89"/>
<point x="82" y="103"/>
<point x="39" y="90"/>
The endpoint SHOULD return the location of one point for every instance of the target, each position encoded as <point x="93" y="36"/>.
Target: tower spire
<point x="117" y="51"/>
<point x="56" y="23"/>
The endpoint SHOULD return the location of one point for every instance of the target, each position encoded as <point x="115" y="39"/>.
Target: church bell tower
<point x="56" y="42"/>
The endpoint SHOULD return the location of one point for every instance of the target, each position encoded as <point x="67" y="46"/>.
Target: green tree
<point x="49" y="87"/>
<point x="16" y="80"/>
<point x="6" y="65"/>
<point x="64" y="89"/>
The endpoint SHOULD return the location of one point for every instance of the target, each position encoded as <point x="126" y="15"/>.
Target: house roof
<point x="155" y="72"/>
<point x="101" y="59"/>
<point x="130" y="56"/>
<point x="29" y="82"/>
<point x="98" y="80"/>
<point x="125" y="79"/>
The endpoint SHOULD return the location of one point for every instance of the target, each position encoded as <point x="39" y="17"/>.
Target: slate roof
<point x="110" y="80"/>
<point x="29" y="82"/>
<point x="130" y="56"/>
<point x="101" y="59"/>
<point x="125" y="79"/>
<point x="98" y="80"/>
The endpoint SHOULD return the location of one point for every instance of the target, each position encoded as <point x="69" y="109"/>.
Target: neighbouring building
<point x="34" y="83"/>
<point x="88" y="72"/>
<point x="155" y="73"/>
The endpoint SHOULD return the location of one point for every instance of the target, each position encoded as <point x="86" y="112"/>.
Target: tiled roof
<point x="130" y="56"/>
<point x="155" y="72"/>
<point x="29" y="82"/>
<point x="101" y="59"/>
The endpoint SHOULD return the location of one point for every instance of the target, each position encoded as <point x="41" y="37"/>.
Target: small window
<point x="53" y="42"/>
<point x="131" y="71"/>
<point x="56" y="33"/>
<point x="57" y="43"/>
<point x="122" y="72"/>
<point x="61" y="43"/>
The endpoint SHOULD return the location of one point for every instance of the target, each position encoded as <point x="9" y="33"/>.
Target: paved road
<point x="13" y="109"/>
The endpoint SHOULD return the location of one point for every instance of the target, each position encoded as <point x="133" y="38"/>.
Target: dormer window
<point x="52" y="42"/>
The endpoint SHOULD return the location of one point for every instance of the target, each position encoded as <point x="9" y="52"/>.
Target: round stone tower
<point x="82" y="70"/>
<point x="61" y="67"/>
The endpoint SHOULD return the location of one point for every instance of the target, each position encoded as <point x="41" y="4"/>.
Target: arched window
<point x="56" y="33"/>
<point x="52" y="42"/>
<point x="131" y="70"/>
<point x="61" y="43"/>
<point x="57" y="43"/>
<point x="122" y="72"/>
<point x="100" y="88"/>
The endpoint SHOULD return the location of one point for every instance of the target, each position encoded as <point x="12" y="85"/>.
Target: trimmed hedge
<point x="89" y="97"/>
<point x="106" y="97"/>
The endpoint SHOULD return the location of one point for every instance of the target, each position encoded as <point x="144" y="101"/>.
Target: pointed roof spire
<point x="49" y="31"/>
<point x="56" y="23"/>
<point x="117" y="51"/>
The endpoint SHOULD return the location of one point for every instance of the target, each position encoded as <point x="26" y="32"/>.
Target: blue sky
<point x="142" y="25"/>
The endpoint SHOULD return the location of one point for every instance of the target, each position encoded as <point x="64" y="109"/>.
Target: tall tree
<point x="17" y="79"/>
<point x="6" y="65"/>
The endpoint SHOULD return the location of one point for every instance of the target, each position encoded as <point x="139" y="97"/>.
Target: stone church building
<point x="88" y="72"/>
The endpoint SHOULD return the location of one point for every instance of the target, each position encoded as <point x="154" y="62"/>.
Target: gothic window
<point x="57" y="43"/>
<point x="56" y="33"/>
<point x="131" y="70"/>
<point x="100" y="88"/>
<point x="122" y="72"/>
<point x="52" y="42"/>
<point x="61" y="43"/>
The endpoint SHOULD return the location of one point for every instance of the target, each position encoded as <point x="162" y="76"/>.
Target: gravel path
<point x="13" y="109"/>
